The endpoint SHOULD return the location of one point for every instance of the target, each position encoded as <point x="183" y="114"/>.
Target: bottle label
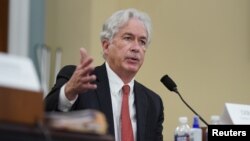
<point x="184" y="137"/>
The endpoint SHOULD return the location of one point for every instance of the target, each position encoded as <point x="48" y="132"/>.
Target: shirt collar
<point x="115" y="81"/>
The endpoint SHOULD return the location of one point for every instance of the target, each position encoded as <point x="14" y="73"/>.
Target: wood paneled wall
<point x="4" y="10"/>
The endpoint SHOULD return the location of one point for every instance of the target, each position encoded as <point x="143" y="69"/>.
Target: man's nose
<point x="136" y="45"/>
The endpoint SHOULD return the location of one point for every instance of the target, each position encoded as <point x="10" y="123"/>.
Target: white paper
<point x="236" y="114"/>
<point x="18" y="72"/>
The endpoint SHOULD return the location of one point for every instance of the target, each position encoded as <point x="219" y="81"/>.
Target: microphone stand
<point x="176" y="91"/>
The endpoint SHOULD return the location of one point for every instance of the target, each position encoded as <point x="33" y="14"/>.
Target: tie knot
<point x="126" y="89"/>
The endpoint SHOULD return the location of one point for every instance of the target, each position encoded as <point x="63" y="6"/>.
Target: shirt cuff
<point x="65" y="104"/>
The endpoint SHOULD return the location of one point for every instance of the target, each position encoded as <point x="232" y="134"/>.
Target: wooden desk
<point x="19" y="132"/>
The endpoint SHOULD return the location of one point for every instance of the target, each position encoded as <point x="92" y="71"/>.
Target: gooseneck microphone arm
<point x="170" y="84"/>
<point x="191" y="108"/>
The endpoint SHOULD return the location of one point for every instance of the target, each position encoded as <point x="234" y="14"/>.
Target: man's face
<point x="125" y="53"/>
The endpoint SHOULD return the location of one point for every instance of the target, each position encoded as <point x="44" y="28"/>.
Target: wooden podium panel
<point x="21" y="113"/>
<point x="20" y="132"/>
<point x="21" y="106"/>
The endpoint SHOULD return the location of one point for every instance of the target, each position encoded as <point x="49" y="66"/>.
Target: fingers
<point x="79" y="83"/>
<point x="85" y="59"/>
<point x="83" y="54"/>
<point x="88" y="79"/>
<point x="89" y="86"/>
<point x="85" y="66"/>
<point x="86" y="62"/>
<point x="82" y="79"/>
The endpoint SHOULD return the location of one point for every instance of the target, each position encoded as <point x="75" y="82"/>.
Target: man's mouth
<point x="133" y="59"/>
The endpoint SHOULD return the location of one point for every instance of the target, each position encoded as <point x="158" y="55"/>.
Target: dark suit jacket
<point x="149" y="107"/>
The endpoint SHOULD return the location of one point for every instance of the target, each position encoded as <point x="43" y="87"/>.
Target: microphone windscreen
<point x="168" y="82"/>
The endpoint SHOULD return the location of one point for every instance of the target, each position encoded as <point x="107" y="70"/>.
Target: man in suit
<point x="125" y="38"/>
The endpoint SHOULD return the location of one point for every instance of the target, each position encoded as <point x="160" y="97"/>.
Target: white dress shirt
<point x="116" y="96"/>
<point x="115" y="84"/>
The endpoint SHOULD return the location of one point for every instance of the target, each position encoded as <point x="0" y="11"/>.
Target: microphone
<point x="170" y="84"/>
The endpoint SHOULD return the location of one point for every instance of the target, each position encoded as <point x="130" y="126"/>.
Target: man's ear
<point x="105" y="45"/>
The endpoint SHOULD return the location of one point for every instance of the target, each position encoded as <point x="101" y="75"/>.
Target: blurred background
<point x="203" y="45"/>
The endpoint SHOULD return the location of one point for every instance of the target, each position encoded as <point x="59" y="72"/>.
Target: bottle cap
<point x="215" y="119"/>
<point x="183" y="119"/>
<point x="196" y="122"/>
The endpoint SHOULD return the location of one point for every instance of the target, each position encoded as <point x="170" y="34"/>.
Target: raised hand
<point x="81" y="79"/>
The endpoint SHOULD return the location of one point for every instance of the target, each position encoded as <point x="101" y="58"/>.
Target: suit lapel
<point x="104" y="97"/>
<point x="141" y="106"/>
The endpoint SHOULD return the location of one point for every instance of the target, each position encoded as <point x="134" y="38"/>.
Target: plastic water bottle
<point x="215" y="120"/>
<point x="182" y="131"/>
<point x="196" y="132"/>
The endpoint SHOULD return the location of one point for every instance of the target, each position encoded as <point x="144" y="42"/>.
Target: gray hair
<point x="119" y="18"/>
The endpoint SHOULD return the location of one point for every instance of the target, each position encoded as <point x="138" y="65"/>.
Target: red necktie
<point x="126" y="125"/>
